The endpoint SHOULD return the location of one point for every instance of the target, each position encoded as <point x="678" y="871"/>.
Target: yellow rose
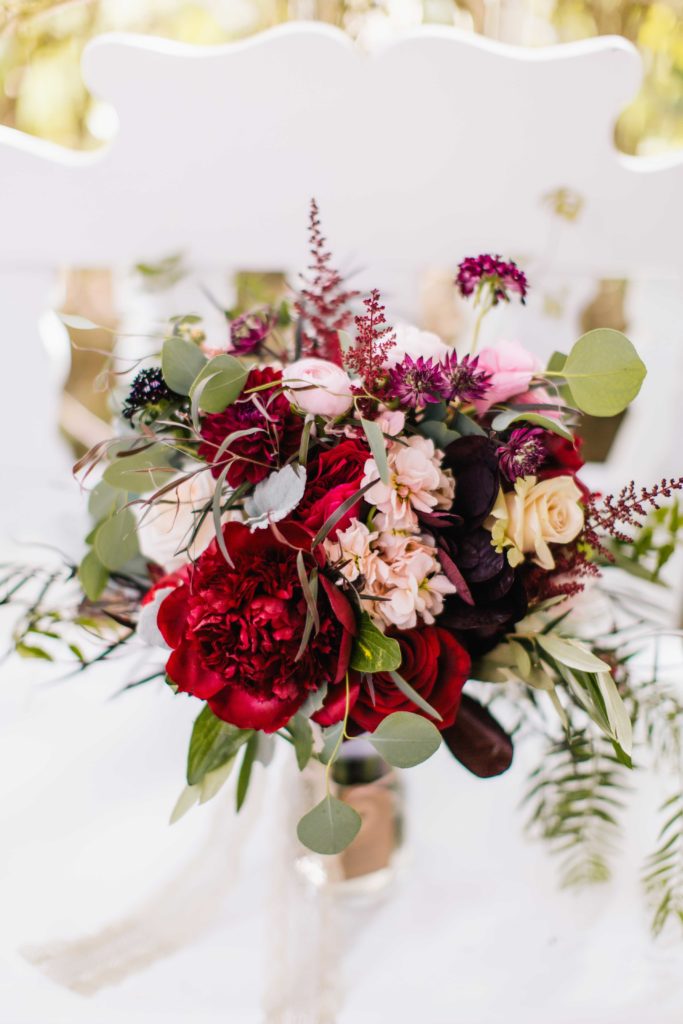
<point x="535" y="515"/>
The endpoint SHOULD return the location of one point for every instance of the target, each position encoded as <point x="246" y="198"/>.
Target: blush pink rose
<point x="511" y="368"/>
<point x="318" y="386"/>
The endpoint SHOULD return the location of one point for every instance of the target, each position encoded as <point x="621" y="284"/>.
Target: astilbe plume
<point x="323" y="300"/>
<point x="573" y="568"/>
<point x="374" y="339"/>
<point x="613" y="515"/>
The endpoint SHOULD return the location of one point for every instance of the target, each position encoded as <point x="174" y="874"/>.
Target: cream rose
<point x="535" y="515"/>
<point x="318" y="386"/>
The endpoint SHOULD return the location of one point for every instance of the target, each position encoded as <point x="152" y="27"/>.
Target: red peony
<point x="434" y="664"/>
<point x="235" y="630"/>
<point x="275" y="431"/>
<point x="337" y="476"/>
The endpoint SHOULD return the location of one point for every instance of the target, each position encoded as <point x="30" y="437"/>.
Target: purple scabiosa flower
<point x="466" y="381"/>
<point x="249" y="331"/>
<point x="148" y="389"/>
<point x="503" y="277"/>
<point x="523" y="453"/>
<point x="417" y="383"/>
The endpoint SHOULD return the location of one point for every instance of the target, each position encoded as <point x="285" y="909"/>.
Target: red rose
<point x="563" y="458"/>
<point x="337" y="476"/>
<point x="274" y="435"/>
<point x="236" y="630"/>
<point x="434" y="664"/>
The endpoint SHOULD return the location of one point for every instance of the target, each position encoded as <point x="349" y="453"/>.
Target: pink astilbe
<point x="573" y="568"/>
<point x="614" y="514"/>
<point x="374" y="338"/>
<point x="323" y="301"/>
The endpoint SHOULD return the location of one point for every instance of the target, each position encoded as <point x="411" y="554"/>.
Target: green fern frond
<point x="663" y="872"/>
<point x="576" y="803"/>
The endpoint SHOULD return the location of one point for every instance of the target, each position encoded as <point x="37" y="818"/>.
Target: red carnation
<point x="275" y="431"/>
<point x="434" y="664"/>
<point x="335" y="476"/>
<point x="236" y="630"/>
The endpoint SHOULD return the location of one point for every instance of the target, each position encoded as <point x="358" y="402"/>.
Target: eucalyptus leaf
<point x="466" y="426"/>
<point x="116" y="540"/>
<point x="104" y="500"/>
<point x="226" y="379"/>
<point x="330" y="741"/>
<point x="181" y="361"/>
<point x="214" y="781"/>
<point x="302" y="734"/>
<point x="404" y="739"/>
<point x="373" y="651"/>
<point x="438" y="432"/>
<point x="378" y="448"/>
<point x="604" y="372"/>
<point x="330" y="827"/>
<point x="93" y="576"/>
<point x="213" y="742"/>
<point x="140" y="472"/>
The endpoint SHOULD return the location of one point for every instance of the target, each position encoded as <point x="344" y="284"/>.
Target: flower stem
<point x="342" y="735"/>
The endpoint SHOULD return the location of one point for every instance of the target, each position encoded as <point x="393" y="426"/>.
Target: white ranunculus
<point x="166" y="526"/>
<point x="411" y="341"/>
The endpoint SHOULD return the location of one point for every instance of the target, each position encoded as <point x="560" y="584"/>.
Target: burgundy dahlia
<point x="416" y="383"/>
<point x="501" y="276"/>
<point x="467" y="383"/>
<point x="236" y="630"/>
<point x="523" y="453"/>
<point x="274" y="431"/>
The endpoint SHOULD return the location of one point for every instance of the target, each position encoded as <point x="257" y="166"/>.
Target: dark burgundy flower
<point x="433" y="663"/>
<point x="490" y="595"/>
<point x="501" y="276"/>
<point x="478" y="741"/>
<point x="333" y="476"/>
<point x="467" y="382"/>
<point x="522" y="453"/>
<point x="274" y="431"/>
<point x="148" y="390"/>
<point x="563" y="457"/>
<point x="416" y="383"/>
<point x="249" y="331"/>
<point x="236" y="630"/>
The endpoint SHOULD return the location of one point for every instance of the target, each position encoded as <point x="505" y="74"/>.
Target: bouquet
<point x="358" y="521"/>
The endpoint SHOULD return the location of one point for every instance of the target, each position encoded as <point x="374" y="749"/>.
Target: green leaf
<point x="438" y="432"/>
<point x="302" y="734"/>
<point x="570" y="653"/>
<point x="93" y="576"/>
<point x="372" y="650"/>
<point x="556" y="362"/>
<point x="116" y="540"/>
<point x="466" y="426"/>
<point x="604" y="372"/>
<point x="404" y="739"/>
<point x="330" y="827"/>
<point x="29" y="651"/>
<point x="181" y="361"/>
<point x="378" y="448"/>
<point x="412" y="695"/>
<point x="245" y="770"/>
<point x="142" y="471"/>
<point x="79" y="323"/>
<point x="213" y="742"/>
<point x="331" y="736"/>
<point x="505" y="419"/>
<point x="225" y="379"/>
<point x="103" y="501"/>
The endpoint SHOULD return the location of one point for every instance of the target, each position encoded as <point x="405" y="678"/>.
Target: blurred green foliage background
<point x="41" y="42"/>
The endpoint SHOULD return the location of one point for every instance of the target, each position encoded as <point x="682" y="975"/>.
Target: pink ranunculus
<point x="511" y="368"/>
<point x="318" y="386"/>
